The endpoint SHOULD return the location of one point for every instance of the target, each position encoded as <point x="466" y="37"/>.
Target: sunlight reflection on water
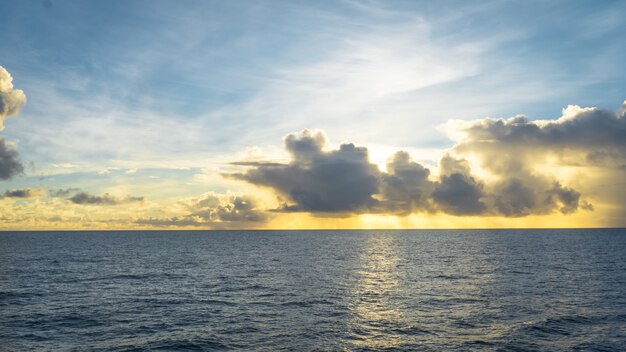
<point x="377" y="282"/>
<point x="314" y="290"/>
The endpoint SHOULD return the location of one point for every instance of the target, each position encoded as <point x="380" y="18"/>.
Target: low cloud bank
<point x="509" y="155"/>
<point x="343" y="181"/>
<point x="214" y="210"/>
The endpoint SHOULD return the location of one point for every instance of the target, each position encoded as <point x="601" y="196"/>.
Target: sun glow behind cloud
<point x="151" y="116"/>
<point x="323" y="186"/>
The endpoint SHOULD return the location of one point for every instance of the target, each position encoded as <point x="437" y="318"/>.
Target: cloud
<point x="519" y="153"/>
<point x="458" y="192"/>
<point x="11" y="100"/>
<point x="406" y="187"/>
<point x="518" y="197"/>
<point x="210" y="209"/>
<point x="62" y="193"/>
<point x="340" y="182"/>
<point x="10" y="164"/>
<point x="598" y="134"/>
<point x="317" y="180"/>
<point x="24" y="193"/>
<point x="85" y="198"/>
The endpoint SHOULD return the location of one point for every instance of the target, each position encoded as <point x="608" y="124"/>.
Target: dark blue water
<point x="502" y="290"/>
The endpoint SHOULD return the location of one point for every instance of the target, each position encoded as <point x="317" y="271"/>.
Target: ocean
<point x="421" y="290"/>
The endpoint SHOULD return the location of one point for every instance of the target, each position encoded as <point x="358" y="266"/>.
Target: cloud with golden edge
<point x="497" y="168"/>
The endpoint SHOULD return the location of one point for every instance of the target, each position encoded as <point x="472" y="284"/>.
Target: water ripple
<point x="533" y="290"/>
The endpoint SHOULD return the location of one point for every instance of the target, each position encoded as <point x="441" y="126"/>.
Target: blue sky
<point x="194" y="85"/>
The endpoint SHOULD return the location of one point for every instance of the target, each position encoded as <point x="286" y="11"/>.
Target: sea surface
<point x="465" y="290"/>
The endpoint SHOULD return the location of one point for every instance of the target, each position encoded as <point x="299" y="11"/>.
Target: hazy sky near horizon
<point x="289" y="114"/>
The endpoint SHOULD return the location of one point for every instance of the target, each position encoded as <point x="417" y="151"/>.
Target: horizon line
<point x="326" y="230"/>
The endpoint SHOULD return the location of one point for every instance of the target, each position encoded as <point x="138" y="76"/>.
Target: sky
<point x="299" y="114"/>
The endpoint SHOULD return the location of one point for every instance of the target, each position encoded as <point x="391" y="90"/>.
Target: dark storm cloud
<point x="218" y="211"/>
<point x="317" y="180"/>
<point x="85" y="198"/>
<point x="23" y="193"/>
<point x="10" y="164"/>
<point x="343" y="181"/>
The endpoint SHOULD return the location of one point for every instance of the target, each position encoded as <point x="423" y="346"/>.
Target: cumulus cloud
<point x="24" y="193"/>
<point x="11" y="100"/>
<point x="212" y="207"/>
<point x="319" y="180"/>
<point x="597" y="134"/>
<point x="343" y="181"/>
<point x="85" y="198"/>
<point x="457" y="192"/>
<point x="406" y="187"/>
<point x="215" y="210"/>
<point x="514" y="150"/>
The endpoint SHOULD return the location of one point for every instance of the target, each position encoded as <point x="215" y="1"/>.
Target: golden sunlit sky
<point x="297" y="114"/>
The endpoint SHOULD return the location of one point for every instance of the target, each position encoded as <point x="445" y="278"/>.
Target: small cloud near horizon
<point x="84" y="198"/>
<point x="24" y="193"/>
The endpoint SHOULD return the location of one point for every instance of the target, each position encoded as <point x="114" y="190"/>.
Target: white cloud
<point x="11" y="100"/>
